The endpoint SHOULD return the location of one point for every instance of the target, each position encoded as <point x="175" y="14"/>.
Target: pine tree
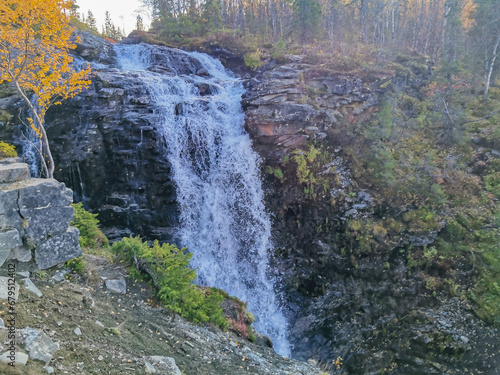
<point x="139" y="25"/>
<point x="91" y="22"/>
<point x="109" y="27"/>
<point x="306" y="18"/>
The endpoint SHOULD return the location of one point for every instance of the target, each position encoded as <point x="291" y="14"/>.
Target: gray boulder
<point x="118" y="286"/>
<point x="45" y="222"/>
<point x="9" y="215"/>
<point x="44" y="193"/>
<point x="35" y="214"/>
<point x="5" y="282"/>
<point x="13" y="172"/>
<point x="164" y="365"/>
<point x="19" y="358"/>
<point x="93" y="48"/>
<point x="9" y="239"/>
<point x="58" y="249"/>
<point x="39" y="345"/>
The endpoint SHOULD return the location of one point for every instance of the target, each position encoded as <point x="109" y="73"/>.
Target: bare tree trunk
<point x="235" y="17"/>
<point x="494" y="55"/>
<point x="45" y="141"/>
<point x="393" y="27"/>
<point x="273" y="20"/>
<point x="222" y="14"/>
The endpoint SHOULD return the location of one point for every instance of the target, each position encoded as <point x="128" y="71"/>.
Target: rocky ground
<point x="87" y="325"/>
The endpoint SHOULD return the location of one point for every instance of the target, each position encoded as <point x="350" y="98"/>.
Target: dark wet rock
<point x="95" y="49"/>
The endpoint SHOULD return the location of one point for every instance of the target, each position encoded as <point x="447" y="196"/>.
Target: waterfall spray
<point x="223" y="218"/>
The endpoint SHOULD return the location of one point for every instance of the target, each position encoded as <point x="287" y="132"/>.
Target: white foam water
<point x="224" y="222"/>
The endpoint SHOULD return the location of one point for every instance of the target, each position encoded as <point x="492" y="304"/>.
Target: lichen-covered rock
<point x="13" y="172"/>
<point x="290" y="104"/>
<point x="58" y="249"/>
<point x="46" y="222"/>
<point x="43" y="193"/>
<point x="9" y="239"/>
<point x="35" y="214"/>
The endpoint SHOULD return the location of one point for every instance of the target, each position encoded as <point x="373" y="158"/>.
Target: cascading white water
<point x="223" y="219"/>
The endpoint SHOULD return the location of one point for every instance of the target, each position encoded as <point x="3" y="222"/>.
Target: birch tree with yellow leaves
<point x="35" y="37"/>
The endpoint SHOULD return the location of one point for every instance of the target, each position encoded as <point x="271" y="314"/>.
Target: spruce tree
<point x="306" y="18"/>
<point x="91" y="22"/>
<point x="139" y="25"/>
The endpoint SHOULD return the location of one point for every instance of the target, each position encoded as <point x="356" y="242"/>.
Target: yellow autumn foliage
<point x="35" y="37"/>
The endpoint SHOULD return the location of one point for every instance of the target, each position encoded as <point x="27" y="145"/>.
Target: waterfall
<point x="223" y="219"/>
<point x="31" y="146"/>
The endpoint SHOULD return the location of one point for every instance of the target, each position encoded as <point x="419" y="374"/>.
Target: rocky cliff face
<point x="361" y="303"/>
<point x="288" y="105"/>
<point x="35" y="216"/>
<point x="107" y="152"/>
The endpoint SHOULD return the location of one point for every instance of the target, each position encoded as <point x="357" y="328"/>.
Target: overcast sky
<point x="123" y="12"/>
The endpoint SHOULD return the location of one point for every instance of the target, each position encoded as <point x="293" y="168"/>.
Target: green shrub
<point x="77" y="265"/>
<point x="252" y="60"/>
<point x="7" y="150"/>
<point x="492" y="183"/>
<point x="278" y="52"/>
<point x="91" y="237"/>
<point x="276" y="172"/>
<point x="168" y="267"/>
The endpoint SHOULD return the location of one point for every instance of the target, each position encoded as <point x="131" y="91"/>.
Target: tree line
<point x="448" y="31"/>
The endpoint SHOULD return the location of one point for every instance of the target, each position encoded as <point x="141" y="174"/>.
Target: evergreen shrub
<point x="168" y="267"/>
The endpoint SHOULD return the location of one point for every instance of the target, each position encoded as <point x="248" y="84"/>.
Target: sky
<point x="123" y="12"/>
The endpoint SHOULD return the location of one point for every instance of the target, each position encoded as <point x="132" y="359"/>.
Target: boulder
<point x="28" y="284"/>
<point x="9" y="239"/>
<point x="164" y="365"/>
<point x="22" y="254"/>
<point x="19" y="358"/>
<point x="13" y="172"/>
<point x="58" y="249"/>
<point x="117" y="286"/>
<point x="5" y="284"/>
<point x="43" y="193"/>
<point x="39" y="345"/>
<point x="45" y="222"/>
<point x="60" y="275"/>
<point x="35" y="214"/>
<point x="8" y="203"/>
